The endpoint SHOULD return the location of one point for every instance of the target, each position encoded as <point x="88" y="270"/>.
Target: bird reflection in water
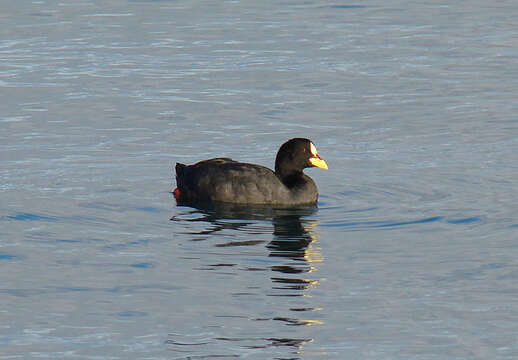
<point x="294" y="237"/>
<point x="294" y="241"/>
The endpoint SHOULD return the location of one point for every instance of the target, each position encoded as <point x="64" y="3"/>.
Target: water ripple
<point x="32" y="217"/>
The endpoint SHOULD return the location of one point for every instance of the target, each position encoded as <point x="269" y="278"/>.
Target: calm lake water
<point x="412" y="252"/>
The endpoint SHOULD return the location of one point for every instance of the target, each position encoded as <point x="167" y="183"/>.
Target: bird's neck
<point x="289" y="177"/>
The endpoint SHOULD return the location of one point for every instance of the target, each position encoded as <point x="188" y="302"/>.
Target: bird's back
<point x="226" y="180"/>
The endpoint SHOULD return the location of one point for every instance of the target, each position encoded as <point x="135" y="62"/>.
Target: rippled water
<point x="411" y="252"/>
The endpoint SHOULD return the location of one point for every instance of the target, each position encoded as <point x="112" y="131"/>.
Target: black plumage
<point x="228" y="181"/>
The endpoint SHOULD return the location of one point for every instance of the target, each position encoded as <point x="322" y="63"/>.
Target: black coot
<point x="228" y="181"/>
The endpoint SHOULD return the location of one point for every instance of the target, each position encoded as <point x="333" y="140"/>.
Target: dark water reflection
<point x="293" y="232"/>
<point x="289" y="235"/>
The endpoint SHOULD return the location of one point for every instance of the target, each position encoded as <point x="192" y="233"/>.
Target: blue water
<point x="411" y="253"/>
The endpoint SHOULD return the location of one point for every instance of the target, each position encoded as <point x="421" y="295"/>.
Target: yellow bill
<point x="316" y="160"/>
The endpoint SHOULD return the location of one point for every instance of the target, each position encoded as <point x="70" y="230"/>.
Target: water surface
<point x="411" y="252"/>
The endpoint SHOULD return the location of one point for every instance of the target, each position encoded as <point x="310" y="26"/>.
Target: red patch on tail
<point x="176" y="193"/>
